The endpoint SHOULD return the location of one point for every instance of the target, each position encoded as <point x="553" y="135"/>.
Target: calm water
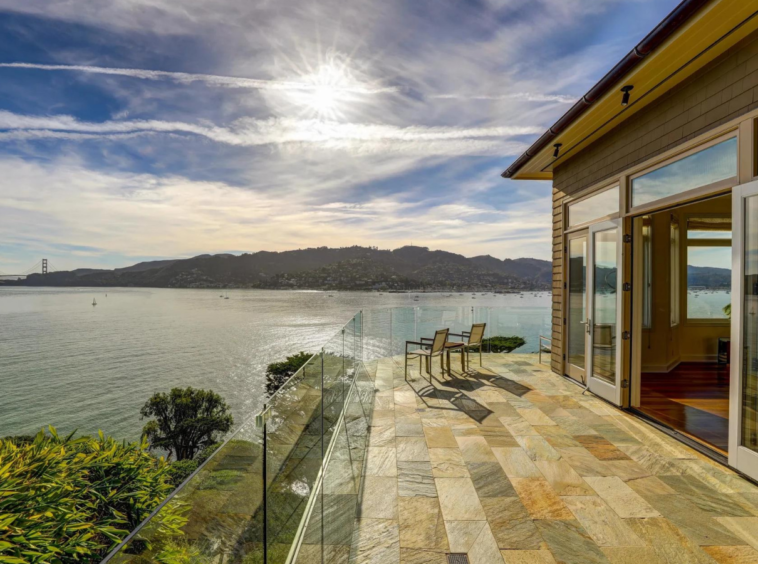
<point x="66" y="363"/>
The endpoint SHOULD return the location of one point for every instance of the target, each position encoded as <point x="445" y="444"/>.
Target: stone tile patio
<point x="512" y="464"/>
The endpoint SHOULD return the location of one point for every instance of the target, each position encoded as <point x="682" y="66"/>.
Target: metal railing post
<point x="392" y="346"/>
<point x="265" y="492"/>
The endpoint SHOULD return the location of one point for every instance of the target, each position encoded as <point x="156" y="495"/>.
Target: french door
<point x="743" y="388"/>
<point x="603" y="361"/>
<point x="576" y="311"/>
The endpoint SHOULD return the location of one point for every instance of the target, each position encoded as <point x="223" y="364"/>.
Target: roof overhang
<point x="693" y="35"/>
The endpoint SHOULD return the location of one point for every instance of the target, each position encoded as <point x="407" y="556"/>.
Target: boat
<point x="94" y="302"/>
<point x="226" y="297"/>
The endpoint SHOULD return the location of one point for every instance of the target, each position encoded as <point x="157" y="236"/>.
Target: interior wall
<point x="664" y="347"/>
<point x="660" y="343"/>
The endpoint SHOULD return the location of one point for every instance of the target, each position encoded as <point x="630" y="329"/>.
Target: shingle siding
<point x="720" y="92"/>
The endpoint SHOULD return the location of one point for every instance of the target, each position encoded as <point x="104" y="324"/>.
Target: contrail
<point x="526" y="96"/>
<point x="209" y="79"/>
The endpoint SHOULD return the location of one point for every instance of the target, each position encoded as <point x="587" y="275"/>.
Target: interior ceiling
<point x="710" y="33"/>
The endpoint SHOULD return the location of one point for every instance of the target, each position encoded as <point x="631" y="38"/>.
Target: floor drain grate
<point x="457" y="558"/>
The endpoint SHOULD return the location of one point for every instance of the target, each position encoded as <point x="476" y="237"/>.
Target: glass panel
<point x="674" y="265"/>
<point x="709" y="281"/>
<point x="577" y="315"/>
<point x="597" y="206"/>
<point x="750" y="329"/>
<point x="647" y="272"/>
<point x="219" y="510"/>
<point x="605" y="272"/>
<point x="715" y="163"/>
<point x="294" y="452"/>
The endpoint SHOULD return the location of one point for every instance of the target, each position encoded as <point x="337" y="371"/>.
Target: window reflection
<point x="600" y="205"/>
<point x="710" y="165"/>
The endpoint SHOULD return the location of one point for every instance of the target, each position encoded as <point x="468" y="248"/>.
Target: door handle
<point x="588" y="326"/>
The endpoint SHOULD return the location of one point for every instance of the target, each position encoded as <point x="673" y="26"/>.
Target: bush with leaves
<point x="501" y="344"/>
<point x="277" y="373"/>
<point x="66" y="500"/>
<point x="180" y="470"/>
<point x="186" y="420"/>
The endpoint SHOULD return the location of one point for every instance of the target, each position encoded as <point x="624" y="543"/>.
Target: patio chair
<point x="435" y="348"/>
<point x="474" y="340"/>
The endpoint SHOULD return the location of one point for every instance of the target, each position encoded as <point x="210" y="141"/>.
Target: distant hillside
<point x="526" y="268"/>
<point x="709" y="276"/>
<point x="347" y="268"/>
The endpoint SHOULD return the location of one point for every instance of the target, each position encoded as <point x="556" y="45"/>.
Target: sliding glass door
<point x="743" y="394"/>
<point x="576" y="314"/>
<point x="604" y="284"/>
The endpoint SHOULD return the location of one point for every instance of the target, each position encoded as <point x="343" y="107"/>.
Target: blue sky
<point x="143" y="129"/>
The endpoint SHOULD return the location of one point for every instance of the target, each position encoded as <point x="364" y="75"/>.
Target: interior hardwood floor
<point x="692" y="398"/>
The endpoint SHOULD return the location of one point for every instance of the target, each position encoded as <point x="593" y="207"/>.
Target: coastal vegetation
<point x="277" y="373"/>
<point x="500" y="344"/>
<point x="66" y="499"/>
<point x="186" y="420"/>
<point x="72" y="499"/>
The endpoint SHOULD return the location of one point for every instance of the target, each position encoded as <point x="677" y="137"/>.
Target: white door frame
<point x="611" y="393"/>
<point x="741" y="458"/>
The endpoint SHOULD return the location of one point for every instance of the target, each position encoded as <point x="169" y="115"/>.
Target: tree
<point x="186" y="421"/>
<point x="278" y="373"/>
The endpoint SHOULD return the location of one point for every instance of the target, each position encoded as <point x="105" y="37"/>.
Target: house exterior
<point x="654" y="167"/>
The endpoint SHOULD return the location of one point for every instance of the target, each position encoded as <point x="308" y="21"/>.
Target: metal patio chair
<point x="475" y="337"/>
<point x="435" y="348"/>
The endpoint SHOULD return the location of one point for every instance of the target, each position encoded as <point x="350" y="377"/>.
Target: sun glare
<point x="329" y="90"/>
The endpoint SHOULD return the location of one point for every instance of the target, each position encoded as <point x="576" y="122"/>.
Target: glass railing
<point x="284" y="489"/>
<point x="265" y="493"/>
<point x="387" y="330"/>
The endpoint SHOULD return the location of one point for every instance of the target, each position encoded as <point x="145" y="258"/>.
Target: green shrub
<point x="277" y="373"/>
<point x="501" y="344"/>
<point x="206" y="453"/>
<point x="65" y="500"/>
<point x="179" y="470"/>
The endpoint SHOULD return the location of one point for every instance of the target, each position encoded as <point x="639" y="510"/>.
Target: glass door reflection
<point x="577" y="306"/>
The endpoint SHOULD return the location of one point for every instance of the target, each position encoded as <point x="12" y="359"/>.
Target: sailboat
<point x="94" y="302"/>
<point x="226" y="297"/>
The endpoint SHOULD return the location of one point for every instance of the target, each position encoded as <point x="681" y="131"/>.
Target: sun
<point x="327" y="91"/>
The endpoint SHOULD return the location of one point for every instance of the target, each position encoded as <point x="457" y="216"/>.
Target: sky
<point x="138" y="130"/>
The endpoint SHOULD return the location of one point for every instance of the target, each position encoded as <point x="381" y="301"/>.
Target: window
<point x="717" y="162"/>
<point x="709" y="267"/>
<point x="596" y="206"/>
<point x="647" y="272"/>
<point x="674" y="265"/>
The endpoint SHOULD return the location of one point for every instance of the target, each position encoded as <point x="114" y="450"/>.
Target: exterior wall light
<point x="626" y="90"/>
<point x="557" y="149"/>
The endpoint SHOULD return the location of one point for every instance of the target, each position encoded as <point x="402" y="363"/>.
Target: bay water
<point x="84" y="368"/>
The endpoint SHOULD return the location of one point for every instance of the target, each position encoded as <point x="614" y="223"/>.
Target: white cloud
<point x="209" y="79"/>
<point x="143" y="214"/>
<point x="251" y="132"/>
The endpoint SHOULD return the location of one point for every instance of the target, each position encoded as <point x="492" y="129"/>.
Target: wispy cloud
<point x="525" y="96"/>
<point x="251" y="132"/>
<point x="209" y="79"/>
<point x="128" y="213"/>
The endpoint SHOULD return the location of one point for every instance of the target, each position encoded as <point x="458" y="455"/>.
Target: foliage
<point x="186" y="421"/>
<point x="180" y="470"/>
<point x="206" y="453"/>
<point x="65" y="500"/>
<point x="179" y="552"/>
<point x="278" y="373"/>
<point x="501" y="344"/>
<point x="727" y="309"/>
